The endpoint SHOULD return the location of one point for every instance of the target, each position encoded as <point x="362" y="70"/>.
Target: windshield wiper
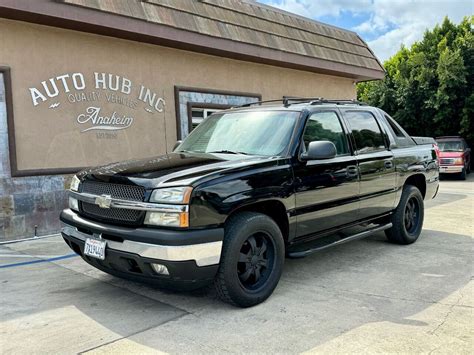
<point x="227" y="152"/>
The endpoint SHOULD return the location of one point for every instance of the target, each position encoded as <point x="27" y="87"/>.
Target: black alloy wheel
<point x="412" y="215"/>
<point x="252" y="259"/>
<point x="256" y="260"/>
<point x="407" y="218"/>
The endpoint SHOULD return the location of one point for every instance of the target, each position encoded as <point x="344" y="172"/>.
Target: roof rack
<point x="288" y="101"/>
<point x="339" y="102"/>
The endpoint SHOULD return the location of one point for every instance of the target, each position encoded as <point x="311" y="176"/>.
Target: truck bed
<point x="424" y="140"/>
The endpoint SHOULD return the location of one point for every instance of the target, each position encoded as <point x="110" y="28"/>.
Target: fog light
<point x="73" y="204"/>
<point x="160" y="269"/>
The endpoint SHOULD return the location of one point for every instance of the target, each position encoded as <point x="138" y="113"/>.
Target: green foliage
<point x="429" y="88"/>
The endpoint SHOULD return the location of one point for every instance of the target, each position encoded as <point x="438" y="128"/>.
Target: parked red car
<point x="455" y="156"/>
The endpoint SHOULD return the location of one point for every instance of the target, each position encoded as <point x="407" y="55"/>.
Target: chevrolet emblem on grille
<point x="103" y="201"/>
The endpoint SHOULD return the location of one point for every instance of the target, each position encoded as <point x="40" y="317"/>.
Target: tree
<point x="429" y="87"/>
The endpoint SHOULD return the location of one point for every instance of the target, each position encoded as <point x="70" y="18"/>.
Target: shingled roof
<point x="242" y="29"/>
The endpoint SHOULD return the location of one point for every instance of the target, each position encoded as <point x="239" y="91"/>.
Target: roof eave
<point x="57" y="14"/>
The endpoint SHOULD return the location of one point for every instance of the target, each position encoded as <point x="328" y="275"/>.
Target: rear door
<point x="375" y="162"/>
<point x="327" y="191"/>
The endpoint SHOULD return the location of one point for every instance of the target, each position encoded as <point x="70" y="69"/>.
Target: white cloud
<point x="389" y="43"/>
<point x="391" y="23"/>
<point x="294" y="7"/>
<point x="364" y="27"/>
<point x="320" y="8"/>
<point x="408" y="21"/>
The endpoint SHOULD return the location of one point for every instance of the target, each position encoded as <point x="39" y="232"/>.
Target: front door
<point x="375" y="160"/>
<point x="326" y="190"/>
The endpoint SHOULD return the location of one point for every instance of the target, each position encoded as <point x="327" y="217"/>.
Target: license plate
<point x="95" y="248"/>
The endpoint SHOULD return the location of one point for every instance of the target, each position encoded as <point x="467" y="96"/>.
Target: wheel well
<point x="273" y="209"/>
<point x="419" y="181"/>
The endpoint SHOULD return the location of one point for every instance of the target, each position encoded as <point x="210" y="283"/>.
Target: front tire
<point x="462" y="176"/>
<point x="252" y="259"/>
<point x="407" y="219"/>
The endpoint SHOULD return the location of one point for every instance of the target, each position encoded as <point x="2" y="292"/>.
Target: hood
<point x="450" y="154"/>
<point x="174" y="169"/>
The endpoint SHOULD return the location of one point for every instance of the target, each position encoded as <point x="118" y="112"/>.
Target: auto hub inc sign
<point x="100" y="101"/>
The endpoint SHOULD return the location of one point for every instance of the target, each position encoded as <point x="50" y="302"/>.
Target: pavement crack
<point x="134" y="333"/>
<point x="436" y="348"/>
<point x="448" y="313"/>
<point x="336" y="291"/>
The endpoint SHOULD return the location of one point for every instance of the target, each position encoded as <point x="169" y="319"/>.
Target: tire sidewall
<point x="235" y="236"/>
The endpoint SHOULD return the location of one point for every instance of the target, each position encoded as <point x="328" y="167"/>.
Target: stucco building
<point x="88" y="82"/>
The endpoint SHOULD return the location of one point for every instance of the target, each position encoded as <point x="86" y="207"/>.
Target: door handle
<point x="352" y="171"/>
<point x="388" y="164"/>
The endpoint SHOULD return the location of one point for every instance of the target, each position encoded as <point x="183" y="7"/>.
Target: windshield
<point x="450" y="146"/>
<point x="265" y="133"/>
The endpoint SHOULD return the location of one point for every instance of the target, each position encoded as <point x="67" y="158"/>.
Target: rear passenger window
<point x="325" y="126"/>
<point x="394" y="127"/>
<point x="366" y="131"/>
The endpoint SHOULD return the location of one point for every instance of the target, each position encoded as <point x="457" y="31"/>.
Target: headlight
<point x="75" y="183"/>
<point x="172" y="195"/>
<point x="458" y="161"/>
<point x="168" y="219"/>
<point x="73" y="204"/>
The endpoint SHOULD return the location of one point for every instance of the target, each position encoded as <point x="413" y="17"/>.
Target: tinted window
<point x="366" y="131"/>
<point x="325" y="126"/>
<point x="394" y="127"/>
<point x="451" y="146"/>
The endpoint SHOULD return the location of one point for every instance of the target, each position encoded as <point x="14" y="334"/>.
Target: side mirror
<point x="177" y="144"/>
<point x="319" y="150"/>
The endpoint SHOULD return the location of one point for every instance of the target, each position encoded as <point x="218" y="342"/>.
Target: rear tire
<point x="252" y="259"/>
<point x="407" y="219"/>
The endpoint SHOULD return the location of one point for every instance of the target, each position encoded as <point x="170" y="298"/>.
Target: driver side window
<point x="325" y="126"/>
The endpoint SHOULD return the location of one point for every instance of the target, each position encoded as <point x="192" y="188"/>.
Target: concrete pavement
<point x="368" y="296"/>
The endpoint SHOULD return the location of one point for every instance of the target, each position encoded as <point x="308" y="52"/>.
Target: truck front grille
<point x="113" y="215"/>
<point x="446" y="161"/>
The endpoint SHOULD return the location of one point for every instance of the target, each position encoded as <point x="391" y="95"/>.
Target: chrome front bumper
<point x="451" y="169"/>
<point x="204" y="254"/>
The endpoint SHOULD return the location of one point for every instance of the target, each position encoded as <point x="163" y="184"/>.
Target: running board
<point x="345" y="239"/>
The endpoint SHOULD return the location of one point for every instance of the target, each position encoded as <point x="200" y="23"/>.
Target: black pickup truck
<point x="247" y="188"/>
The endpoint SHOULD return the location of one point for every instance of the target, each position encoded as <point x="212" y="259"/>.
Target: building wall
<point x="26" y="202"/>
<point x="49" y="136"/>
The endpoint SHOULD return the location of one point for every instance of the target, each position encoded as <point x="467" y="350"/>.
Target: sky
<point x="384" y="24"/>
